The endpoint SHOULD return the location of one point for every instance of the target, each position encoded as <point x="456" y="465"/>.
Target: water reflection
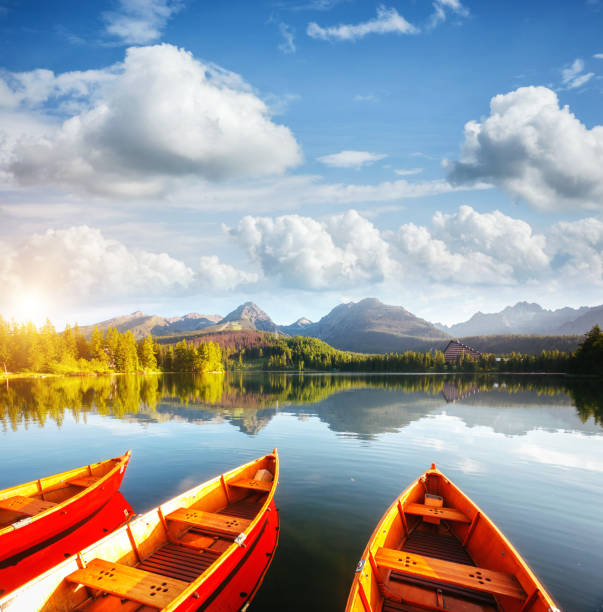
<point x="452" y="392"/>
<point x="362" y="405"/>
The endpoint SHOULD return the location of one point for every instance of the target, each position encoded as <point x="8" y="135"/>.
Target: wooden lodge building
<point x="455" y="349"/>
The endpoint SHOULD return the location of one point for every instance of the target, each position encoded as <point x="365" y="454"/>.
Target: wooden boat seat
<point x="220" y="523"/>
<point x="128" y="582"/>
<point x="83" y="481"/>
<point x="25" y="505"/>
<point x="477" y="578"/>
<point x="254" y="485"/>
<point x="449" y="514"/>
<point x="447" y="548"/>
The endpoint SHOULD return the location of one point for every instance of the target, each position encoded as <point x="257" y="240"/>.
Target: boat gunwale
<point x="393" y="508"/>
<point x="120" y="462"/>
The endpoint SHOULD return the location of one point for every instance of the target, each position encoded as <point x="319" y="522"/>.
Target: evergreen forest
<point x="24" y="348"/>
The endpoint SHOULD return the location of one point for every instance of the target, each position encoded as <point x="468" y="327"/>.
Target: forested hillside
<point x="24" y="348"/>
<point x="517" y="343"/>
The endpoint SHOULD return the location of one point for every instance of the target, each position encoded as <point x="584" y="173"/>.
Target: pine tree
<point x="146" y="353"/>
<point x="4" y="345"/>
<point x="126" y="358"/>
<point x="97" y="346"/>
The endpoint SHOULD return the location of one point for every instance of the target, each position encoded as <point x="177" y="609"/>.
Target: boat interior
<point x="148" y="563"/>
<point x="32" y="498"/>
<point x="435" y="551"/>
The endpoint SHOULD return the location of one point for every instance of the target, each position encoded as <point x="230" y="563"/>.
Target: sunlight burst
<point x="31" y="306"/>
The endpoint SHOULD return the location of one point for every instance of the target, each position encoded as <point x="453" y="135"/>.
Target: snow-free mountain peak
<point x="249" y="315"/>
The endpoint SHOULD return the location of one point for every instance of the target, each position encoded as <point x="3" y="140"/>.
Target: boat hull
<point x="35" y="530"/>
<point x="235" y="585"/>
<point x="19" y="569"/>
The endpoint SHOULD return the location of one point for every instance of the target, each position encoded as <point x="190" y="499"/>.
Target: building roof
<point x="455" y="348"/>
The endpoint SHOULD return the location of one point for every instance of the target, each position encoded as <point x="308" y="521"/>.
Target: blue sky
<point x="177" y="156"/>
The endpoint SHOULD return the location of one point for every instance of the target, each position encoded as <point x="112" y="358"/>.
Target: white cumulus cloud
<point x="342" y="251"/>
<point x="221" y="276"/>
<point x="79" y="262"/>
<point x="534" y="149"/>
<point x="338" y="251"/>
<point x="495" y="234"/>
<point x="350" y="159"/>
<point x="578" y="246"/>
<point x="387" y="21"/>
<point x="428" y="257"/>
<point x="464" y="248"/>
<point x="139" y="22"/>
<point x="159" y="116"/>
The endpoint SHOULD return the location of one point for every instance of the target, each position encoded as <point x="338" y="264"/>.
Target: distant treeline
<point x="303" y="353"/>
<point x="24" y="348"/>
<point x="525" y="344"/>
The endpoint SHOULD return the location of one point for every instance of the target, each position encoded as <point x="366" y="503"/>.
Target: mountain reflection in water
<point x="363" y="405"/>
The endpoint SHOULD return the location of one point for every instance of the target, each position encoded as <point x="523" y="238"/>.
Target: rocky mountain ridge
<point x="528" y="318"/>
<point x="141" y="324"/>
<point x="369" y="325"/>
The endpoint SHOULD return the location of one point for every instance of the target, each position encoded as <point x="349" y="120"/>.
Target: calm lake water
<point x="528" y="450"/>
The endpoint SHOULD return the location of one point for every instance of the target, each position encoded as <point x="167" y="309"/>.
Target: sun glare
<point x="30" y="306"/>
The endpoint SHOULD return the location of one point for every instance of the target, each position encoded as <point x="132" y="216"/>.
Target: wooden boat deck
<point x="184" y="563"/>
<point x="180" y="563"/>
<point x="441" y="546"/>
<point x="430" y="541"/>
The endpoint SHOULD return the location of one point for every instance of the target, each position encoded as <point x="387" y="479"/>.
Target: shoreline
<point x="41" y="375"/>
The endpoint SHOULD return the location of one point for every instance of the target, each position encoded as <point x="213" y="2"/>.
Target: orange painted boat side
<point x="244" y="559"/>
<point x="488" y="548"/>
<point x="69" y="503"/>
<point x="16" y="571"/>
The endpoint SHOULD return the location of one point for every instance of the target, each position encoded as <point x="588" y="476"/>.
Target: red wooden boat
<point x="19" y="569"/>
<point x="206" y="549"/>
<point x="435" y="549"/>
<point x="34" y="512"/>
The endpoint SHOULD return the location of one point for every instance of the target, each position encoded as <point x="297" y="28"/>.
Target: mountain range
<point x="141" y="325"/>
<point x="369" y="325"/>
<point x="528" y="318"/>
